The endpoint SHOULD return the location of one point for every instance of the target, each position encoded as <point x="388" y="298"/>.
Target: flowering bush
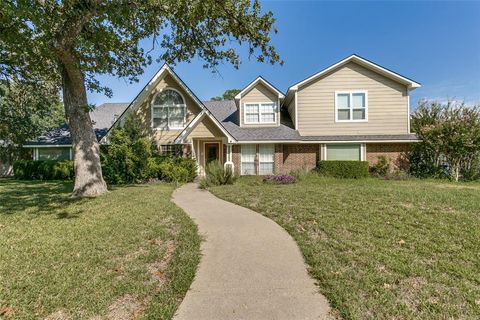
<point x="281" y="179"/>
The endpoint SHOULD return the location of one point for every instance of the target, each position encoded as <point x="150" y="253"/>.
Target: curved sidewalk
<point x="250" y="268"/>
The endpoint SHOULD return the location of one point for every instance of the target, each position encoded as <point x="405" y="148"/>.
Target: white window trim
<point x="270" y="162"/>
<point x="275" y="111"/>
<point x="362" y="150"/>
<point x="254" y="161"/>
<point x="152" y="105"/>
<point x="351" y="92"/>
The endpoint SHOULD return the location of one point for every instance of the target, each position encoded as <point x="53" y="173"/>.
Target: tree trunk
<point x="86" y="151"/>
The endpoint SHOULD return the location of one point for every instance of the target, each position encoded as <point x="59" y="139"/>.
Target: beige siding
<point x="144" y="111"/>
<point x="387" y="103"/>
<point x="259" y="93"/>
<point x="206" y="129"/>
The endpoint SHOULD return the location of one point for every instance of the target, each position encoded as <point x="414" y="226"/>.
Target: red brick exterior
<point x="290" y="157"/>
<point x="395" y="152"/>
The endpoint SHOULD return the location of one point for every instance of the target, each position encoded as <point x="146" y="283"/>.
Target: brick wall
<point x="236" y="158"/>
<point x="395" y="152"/>
<point x="290" y="157"/>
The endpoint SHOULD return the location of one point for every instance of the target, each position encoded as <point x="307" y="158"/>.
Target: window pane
<point x="53" y="153"/>
<point x="343" y="152"/>
<point x="265" y="168"/>
<point x="358" y="114"/>
<point x="251" y="118"/>
<point x="343" y="101"/>
<point x="266" y="152"/>
<point x="160" y="123"/>
<point x="267" y="107"/>
<point x="268" y="117"/>
<point x="251" y="108"/>
<point x="160" y="112"/>
<point x="344" y="114"/>
<point x="358" y="100"/>
<point x="248" y="153"/>
<point x="176" y="117"/>
<point x="248" y="168"/>
<point x="168" y="97"/>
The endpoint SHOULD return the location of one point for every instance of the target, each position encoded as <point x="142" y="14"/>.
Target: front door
<point x="212" y="152"/>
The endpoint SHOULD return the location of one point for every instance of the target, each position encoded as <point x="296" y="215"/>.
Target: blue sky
<point x="434" y="43"/>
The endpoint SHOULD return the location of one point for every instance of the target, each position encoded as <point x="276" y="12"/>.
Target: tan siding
<point x="143" y="113"/>
<point x="259" y="93"/>
<point x="387" y="103"/>
<point x="206" y="129"/>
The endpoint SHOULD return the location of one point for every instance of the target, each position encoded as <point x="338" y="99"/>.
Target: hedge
<point x="343" y="169"/>
<point x="43" y="169"/>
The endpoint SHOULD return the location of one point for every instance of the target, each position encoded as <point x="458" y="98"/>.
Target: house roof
<point x="102" y="117"/>
<point x="411" y="84"/>
<point x="265" y="83"/>
<point x="226" y="112"/>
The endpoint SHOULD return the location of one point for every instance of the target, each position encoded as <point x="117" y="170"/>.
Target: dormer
<point x="259" y="104"/>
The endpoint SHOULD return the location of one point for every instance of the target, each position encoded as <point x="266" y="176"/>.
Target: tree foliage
<point x="71" y="42"/>
<point x="229" y="94"/>
<point x="27" y="109"/>
<point x="450" y="135"/>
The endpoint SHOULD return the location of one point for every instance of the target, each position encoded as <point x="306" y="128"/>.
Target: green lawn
<point x="128" y="254"/>
<point x="381" y="249"/>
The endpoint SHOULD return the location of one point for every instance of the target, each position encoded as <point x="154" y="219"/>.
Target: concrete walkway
<point x="250" y="268"/>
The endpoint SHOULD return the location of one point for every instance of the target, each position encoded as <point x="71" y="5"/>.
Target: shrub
<point x="280" y="179"/>
<point x="382" y="167"/>
<point x="343" y="169"/>
<point x="43" y="169"/>
<point x="217" y="175"/>
<point x="176" y="169"/>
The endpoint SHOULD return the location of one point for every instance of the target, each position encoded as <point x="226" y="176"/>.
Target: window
<point x="344" y="152"/>
<point x="248" y="154"/>
<point x="171" y="150"/>
<point x="53" y="153"/>
<point x="168" y="110"/>
<point x="351" y="106"/>
<point x="266" y="159"/>
<point x="260" y="113"/>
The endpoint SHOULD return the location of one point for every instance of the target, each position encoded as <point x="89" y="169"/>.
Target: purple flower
<point x="280" y="179"/>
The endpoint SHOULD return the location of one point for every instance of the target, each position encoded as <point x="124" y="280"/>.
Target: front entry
<point x="212" y="152"/>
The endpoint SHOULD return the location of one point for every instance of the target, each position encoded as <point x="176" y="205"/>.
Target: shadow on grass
<point x="40" y="197"/>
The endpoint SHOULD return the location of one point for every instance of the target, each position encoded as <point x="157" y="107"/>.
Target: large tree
<point x="27" y="109"/>
<point x="76" y="40"/>
<point x="229" y="94"/>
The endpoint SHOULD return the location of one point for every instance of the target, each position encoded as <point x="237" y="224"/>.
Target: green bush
<point x="176" y="169"/>
<point x="217" y="175"/>
<point x="343" y="169"/>
<point x="43" y="169"/>
<point x="382" y="167"/>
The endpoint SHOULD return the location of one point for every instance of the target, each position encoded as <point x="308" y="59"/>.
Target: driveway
<point x="250" y="268"/>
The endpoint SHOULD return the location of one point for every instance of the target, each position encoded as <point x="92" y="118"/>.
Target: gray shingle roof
<point x="227" y="114"/>
<point x="102" y="117"/>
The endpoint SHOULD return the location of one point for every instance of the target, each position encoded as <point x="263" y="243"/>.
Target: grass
<point x="380" y="249"/>
<point x="128" y="254"/>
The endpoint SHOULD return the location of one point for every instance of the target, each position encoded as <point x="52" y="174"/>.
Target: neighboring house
<point x="352" y="110"/>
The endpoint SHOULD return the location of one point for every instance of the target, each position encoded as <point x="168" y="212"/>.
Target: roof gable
<point x="363" y="62"/>
<point x="261" y="80"/>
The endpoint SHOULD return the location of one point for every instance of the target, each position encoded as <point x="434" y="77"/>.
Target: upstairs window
<point x="168" y="110"/>
<point x="351" y="106"/>
<point x="260" y="113"/>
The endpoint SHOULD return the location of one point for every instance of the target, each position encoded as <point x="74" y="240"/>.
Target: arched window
<point x="168" y="110"/>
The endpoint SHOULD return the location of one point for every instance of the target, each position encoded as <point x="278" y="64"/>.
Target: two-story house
<point x="352" y="110"/>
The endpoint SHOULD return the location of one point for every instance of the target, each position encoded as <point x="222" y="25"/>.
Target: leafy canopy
<point x="107" y="36"/>
<point x="227" y="95"/>
<point x="448" y="131"/>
